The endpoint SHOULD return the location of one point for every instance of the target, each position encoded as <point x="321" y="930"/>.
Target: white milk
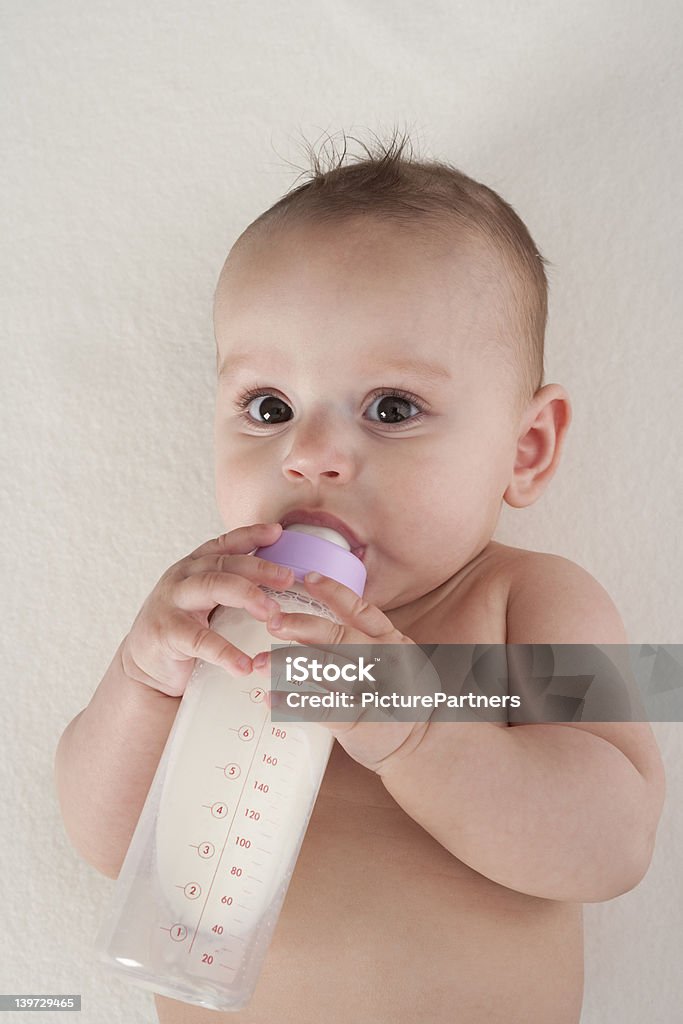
<point x="207" y="870"/>
<point x="237" y="798"/>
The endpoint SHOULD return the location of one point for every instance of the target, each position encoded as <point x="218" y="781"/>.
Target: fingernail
<point x="312" y="577"/>
<point x="275" y="620"/>
<point x="260" y="660"/>
<point x="244" y="663"/>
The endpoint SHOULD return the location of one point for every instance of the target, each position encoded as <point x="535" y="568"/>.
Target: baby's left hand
<point x="370" y="743"/>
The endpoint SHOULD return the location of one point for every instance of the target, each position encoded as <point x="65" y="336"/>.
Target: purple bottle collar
<point x="304" y="553"/>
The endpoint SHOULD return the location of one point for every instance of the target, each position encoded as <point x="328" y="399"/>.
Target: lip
<point x="316" y="517"/>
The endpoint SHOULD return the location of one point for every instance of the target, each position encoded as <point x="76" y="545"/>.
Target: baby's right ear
<point x="539" y="446"/>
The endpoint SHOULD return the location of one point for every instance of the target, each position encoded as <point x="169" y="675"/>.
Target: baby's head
<point x="379" y="338"/>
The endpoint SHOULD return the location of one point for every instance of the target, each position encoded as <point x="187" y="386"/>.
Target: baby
<point x="380" y="357"/>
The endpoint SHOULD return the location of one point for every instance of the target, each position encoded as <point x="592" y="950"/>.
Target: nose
<point x="316" y="450"/>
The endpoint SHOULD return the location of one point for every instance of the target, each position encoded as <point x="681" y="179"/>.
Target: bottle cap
<point x="306" y="548"/>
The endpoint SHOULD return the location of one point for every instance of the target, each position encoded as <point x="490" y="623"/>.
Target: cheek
<point x="235" y="462"/>
<point x="242" y="484"/>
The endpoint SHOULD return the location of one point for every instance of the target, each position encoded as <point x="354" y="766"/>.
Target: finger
<point x="327" y="635"/>
<point x="260" y="570"/>
<point x="399" y="663"/>
<point x="262" y="663"/>
<point x="335" y="672"/>
<point x="203" y="591"/>
<point x="313" y="629"/>
<point x="192" y="640"/>
<point x="240" y="541"/>
<point x="350" y="607"/>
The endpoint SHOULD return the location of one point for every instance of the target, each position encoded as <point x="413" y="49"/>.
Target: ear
<point x="541" y="437"/>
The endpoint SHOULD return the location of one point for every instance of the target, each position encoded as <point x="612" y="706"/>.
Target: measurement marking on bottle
<point x="257" y="748"/>
<point x="250" y="731"/>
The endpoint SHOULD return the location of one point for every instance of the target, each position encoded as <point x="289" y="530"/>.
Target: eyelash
<point x="244" y="400"/>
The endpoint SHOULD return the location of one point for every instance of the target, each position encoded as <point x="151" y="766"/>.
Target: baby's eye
<point x="269" y="406"/>
<point x="392" y="410"/>
<point x="393" y="404"/>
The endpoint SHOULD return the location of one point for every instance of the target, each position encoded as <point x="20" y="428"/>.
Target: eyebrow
<point x="430" y="373"/>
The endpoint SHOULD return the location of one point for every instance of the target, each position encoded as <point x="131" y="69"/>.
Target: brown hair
<point x="452" y="205"/>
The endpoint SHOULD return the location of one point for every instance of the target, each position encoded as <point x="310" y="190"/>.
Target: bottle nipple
<point x="324" y="532"/>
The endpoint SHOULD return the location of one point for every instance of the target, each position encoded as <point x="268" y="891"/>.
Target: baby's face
<point x="333" y="324"/>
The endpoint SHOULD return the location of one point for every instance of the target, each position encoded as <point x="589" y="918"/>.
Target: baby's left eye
<point x="393" y="404"/>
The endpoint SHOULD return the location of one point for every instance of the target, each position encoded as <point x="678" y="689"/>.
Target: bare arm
<point x="107" y="756"/>
<point x="543" y="809"/>
<point x="565" y="811"/>
<point x="105" y="762"/>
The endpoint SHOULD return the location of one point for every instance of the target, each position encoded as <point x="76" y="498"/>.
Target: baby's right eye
<point x="268" y="405"/>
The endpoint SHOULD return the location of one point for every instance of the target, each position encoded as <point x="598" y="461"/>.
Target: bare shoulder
<point x="552" y="600"/>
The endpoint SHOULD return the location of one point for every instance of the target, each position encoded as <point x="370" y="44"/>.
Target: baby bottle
<point x="205" y="876"/>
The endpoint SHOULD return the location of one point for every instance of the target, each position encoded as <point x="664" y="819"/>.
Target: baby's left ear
<point x="543" y="430"/>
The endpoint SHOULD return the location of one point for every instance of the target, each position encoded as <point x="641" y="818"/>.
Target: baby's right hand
<point x="172" y="628"/>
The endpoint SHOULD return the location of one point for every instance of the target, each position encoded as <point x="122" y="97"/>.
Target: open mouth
<point x="314" y="517"/>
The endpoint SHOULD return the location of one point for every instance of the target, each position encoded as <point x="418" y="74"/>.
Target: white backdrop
<point x="139" y="140"/>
